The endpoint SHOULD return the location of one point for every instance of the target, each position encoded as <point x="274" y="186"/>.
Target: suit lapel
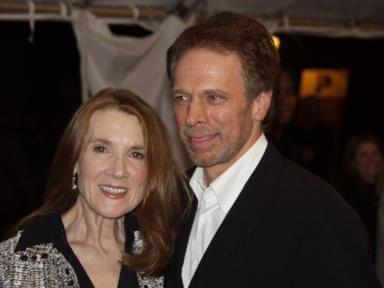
<point x="173" y="277"/>
<point x="243" y="218"/>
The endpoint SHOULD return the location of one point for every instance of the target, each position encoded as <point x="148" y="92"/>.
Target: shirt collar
<point x="229" y="184"/>
<point x="197" y="183"/>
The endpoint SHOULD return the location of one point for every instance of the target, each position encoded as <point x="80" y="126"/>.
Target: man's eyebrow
<point x="204" y="92"/>
<point x="214" y="91"/>
<point x="176" y="91"/>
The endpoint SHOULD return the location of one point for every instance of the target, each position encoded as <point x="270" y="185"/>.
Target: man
<point x="258" y="220"/>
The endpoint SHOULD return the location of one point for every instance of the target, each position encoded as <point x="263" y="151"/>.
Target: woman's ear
<point x="76" y="168"/>
<point x="75" y="178"/>
<point x="260" y="105"/>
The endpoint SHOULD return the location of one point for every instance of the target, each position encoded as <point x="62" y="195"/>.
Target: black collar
<point x="49" y="228"/>
<point x="42" y="229"/>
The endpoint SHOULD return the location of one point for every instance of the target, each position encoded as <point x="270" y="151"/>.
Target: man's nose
<point x="196" y="113"/>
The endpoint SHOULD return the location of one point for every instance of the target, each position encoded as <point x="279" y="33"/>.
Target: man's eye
<point x="179" y="98"/>
<point x="215" y="98"/>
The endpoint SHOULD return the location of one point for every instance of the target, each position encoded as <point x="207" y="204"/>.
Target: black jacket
<point x="287" y="228"/>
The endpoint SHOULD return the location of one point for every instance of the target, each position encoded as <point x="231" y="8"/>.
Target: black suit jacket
<point x="287" y="228"/>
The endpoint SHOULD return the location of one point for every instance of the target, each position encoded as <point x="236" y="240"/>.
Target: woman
<point x="362" y="163"/>
<point x="380" y="227"/>
<point x="112" y="204"/>
<point x="283" y="128"/>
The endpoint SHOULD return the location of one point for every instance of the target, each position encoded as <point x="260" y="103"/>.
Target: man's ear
<point x="260" y="105"/>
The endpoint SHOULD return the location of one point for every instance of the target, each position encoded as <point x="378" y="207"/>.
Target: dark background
<point x="365" y="61"/>
<point x="361" y="110"/>
<point x="41" y="89"/>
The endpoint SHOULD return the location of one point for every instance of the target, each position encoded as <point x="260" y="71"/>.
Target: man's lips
<point x="199" y="142"/>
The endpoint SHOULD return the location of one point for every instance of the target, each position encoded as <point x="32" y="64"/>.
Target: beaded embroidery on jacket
<point x="39" y="266"/>
<point x="43" y="266"/>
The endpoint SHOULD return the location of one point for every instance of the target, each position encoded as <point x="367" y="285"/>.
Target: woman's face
<point x="286" y="100"/>
<point x="112" y="170"/>
<point x="368" y="161"/>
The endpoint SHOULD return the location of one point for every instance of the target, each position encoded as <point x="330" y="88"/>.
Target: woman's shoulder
<point x="30" y="257"/>
<point x="7" y="256"/>
<point x="8" y="246"/>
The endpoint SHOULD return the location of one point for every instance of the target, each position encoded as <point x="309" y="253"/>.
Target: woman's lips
<point x="113" y="192"/>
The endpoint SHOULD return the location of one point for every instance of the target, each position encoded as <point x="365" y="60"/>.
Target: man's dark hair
<point x="226" y="33"/>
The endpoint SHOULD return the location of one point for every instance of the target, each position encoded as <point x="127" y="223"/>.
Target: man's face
<point x="215" y="118"/>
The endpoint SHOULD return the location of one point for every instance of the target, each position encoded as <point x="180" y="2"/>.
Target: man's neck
<point x="212" y="172"/>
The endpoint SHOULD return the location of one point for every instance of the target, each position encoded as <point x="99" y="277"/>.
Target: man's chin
<point x="203" y="159"/>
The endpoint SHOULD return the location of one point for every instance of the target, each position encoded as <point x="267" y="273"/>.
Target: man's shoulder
<point x="299" y="191"/>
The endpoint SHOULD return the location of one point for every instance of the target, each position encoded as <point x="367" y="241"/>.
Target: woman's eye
<point x="99" y="149"/>
<point x="137" y="155"/>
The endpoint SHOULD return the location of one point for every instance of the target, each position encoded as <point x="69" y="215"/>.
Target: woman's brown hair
<point x="350" y="170"/>
<point x="160" y="212"/>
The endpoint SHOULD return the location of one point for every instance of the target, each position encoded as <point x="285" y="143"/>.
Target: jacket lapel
<point x="243" y="218"/>
<point x="173" y="275"/>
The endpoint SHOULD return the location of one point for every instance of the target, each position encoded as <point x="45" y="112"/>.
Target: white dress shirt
<point x="214" y="202"/>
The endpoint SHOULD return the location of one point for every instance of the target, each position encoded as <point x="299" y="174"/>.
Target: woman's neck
<point x="84" y="227"/>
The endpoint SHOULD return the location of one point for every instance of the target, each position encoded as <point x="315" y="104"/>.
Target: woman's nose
<point x="118" y="169"/>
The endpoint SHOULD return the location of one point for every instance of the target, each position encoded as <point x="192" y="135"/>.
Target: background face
<point x="112" y="166"/>
<point x="212" y="111"/>
<point x="368" y="161"/>
<point x="286" y="100"/>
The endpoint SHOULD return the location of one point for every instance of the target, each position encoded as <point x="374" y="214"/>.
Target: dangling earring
<point x="74" y="182"/>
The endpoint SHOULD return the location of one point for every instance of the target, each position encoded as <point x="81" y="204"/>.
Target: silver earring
<point x="74" y="182"/>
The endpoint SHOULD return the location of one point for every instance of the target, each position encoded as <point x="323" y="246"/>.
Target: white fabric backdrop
<point x="137" y="64"/>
